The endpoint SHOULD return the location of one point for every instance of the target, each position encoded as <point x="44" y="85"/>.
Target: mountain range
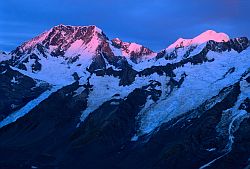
<point x="73" y="98"/>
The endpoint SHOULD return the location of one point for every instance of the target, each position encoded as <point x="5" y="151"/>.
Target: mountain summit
<point x="61" y="37"/>
<point x="202" y="38"/>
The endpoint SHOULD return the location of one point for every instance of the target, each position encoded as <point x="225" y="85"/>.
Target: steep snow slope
<point x="201" y="83"/>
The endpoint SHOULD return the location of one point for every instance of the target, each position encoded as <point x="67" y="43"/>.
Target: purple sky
<point x="153" y="23"/>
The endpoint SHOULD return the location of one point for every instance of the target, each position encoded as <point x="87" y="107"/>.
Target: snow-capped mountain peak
<point x="60" y="38"/>
<point x="132" y="50"/>
<point x="64" y="46"/>
<point x="202" y="38"/>
<point x="211" y="35"/>
<point x="129" y="47"/>
<point x="82" y="41"/>
<point x="72" y="48"/>
<point x="117" y="41"/>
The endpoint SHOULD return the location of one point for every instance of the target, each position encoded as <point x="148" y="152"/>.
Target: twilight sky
<point x="153" y="23"/>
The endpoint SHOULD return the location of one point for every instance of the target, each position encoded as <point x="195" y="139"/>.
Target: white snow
<point x="136" y="48"/>
<point x="52" y="72"/>
<point x="211" y="149"/>
<point x="3" y="72"/>
<point x="114" y="103"/>
<point x="194" y="90"/>
<point x="55" y="71"/>
<point x="127" y="48"/>
<point x="86" y="51"/>
<point x="135" y="138"/>
<point x="211" y="162"/>
<point x="79" y="91"/>
<point x="202" y="38"/>
<point x="234" y="116"/>
<point x="28" y="107"/>
<point x="152" y="61"/>
<point x="132" y="47"/>
<point x="147" y="108"/>
<point x="14" y="81"/>
<point x="116" y="51"/>
<point x="106" y="87"/>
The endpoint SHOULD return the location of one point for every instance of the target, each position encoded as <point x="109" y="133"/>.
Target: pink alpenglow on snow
<point x="202" y="38"/>
<point x="68" y="33"/>
<point x="35" y="41"/>
<point x="130" y="48"/>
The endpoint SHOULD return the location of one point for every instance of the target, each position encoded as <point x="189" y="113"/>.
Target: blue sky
<point x="153" y="23"/>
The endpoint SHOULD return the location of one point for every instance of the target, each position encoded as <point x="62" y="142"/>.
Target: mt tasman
<point x="73" y="98"/>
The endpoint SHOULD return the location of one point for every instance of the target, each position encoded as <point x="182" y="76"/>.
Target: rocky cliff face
<point x="83" y="100"/>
